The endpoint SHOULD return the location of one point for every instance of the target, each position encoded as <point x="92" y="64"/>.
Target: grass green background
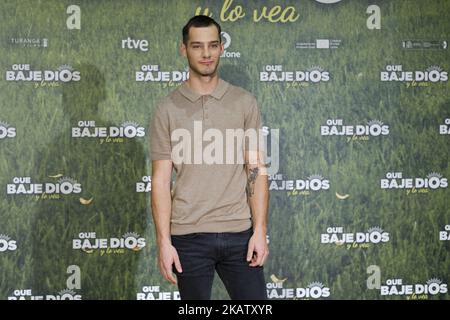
<point x="109" y="95"/>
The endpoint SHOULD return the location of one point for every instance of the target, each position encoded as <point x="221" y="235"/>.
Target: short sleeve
<point x="253" y="117"/>
<point x="252" y="127"/>
<point x="160" y="148"/>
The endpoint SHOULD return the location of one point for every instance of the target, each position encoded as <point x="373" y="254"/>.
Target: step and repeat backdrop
<point x="356" y="91"/>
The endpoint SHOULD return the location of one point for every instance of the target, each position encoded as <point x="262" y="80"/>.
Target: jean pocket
<point x="246" y="232"/>
<point x="185" y="236"/>
<point x="243" y="235"/>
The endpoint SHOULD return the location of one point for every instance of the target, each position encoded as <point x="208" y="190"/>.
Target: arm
<point x="258" y="197"/>
<point x="161" y="211"/>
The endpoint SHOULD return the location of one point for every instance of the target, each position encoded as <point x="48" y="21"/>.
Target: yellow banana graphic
<point x="59" y="175"/>
<point x="342" y="197"/>
<point x="276" y="280"/>
<point x="87" y="250"/>
<point x="86" y="201"/>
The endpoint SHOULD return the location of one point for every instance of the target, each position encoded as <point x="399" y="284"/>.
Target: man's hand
<point x="167" y="257"/>
<point x="258" y="250"/>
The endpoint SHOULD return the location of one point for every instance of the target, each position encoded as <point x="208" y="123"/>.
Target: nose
<point x="206" y="52"/>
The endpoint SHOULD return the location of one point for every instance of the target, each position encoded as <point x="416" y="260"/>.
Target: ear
<point x="183" y="49"/>
<point x="222" y="48"/>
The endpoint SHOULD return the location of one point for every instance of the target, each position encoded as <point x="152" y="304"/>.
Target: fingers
<point x="250" y="251"/>
<point x="257" y="251"/>
<point x="166" y="271"/>
<point x="170" y="277"/>
<point x="166" y="265"/>
<point x="256" y="261"/>
<point x="259" y="257"/>
<point x="265" y="256"/>
<point x="177" y="263"/>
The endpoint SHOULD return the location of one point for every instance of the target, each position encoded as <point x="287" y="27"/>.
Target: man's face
<point x="203" y="50"/>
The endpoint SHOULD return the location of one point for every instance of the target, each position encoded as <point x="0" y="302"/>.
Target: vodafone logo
<point x="226" y="40"/>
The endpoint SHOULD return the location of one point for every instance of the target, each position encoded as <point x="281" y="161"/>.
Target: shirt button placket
<point x="206" y="116"/>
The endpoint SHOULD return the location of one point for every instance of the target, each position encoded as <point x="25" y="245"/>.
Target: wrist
<point x="164" y="241"/>
<point x="260" y="229"/>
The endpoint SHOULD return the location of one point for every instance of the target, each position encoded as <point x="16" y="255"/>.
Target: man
<point x="216" y="218"/>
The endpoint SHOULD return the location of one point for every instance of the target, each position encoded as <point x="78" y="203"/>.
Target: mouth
<point x="206" y="62"/>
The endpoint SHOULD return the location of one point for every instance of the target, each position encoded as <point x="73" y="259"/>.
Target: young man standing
<point x="216" y="218"/>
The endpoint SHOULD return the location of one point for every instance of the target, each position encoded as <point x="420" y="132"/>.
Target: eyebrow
<point x="199" y="42"/>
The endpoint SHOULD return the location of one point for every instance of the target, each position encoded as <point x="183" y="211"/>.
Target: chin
<point x="206" y="73"/>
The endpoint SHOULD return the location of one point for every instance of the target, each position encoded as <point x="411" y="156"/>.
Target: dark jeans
<point x="202" y="253"/>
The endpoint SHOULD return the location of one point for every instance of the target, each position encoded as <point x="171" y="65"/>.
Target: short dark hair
<point x="200" y="21"/>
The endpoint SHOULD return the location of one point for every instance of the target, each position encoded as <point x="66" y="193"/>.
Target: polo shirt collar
<point x="218" y="92"/>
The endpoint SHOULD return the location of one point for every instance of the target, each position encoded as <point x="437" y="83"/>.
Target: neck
<point x="203" y="85"/>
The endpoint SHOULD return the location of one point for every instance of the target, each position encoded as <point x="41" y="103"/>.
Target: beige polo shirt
<point x="210" y="189"/>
